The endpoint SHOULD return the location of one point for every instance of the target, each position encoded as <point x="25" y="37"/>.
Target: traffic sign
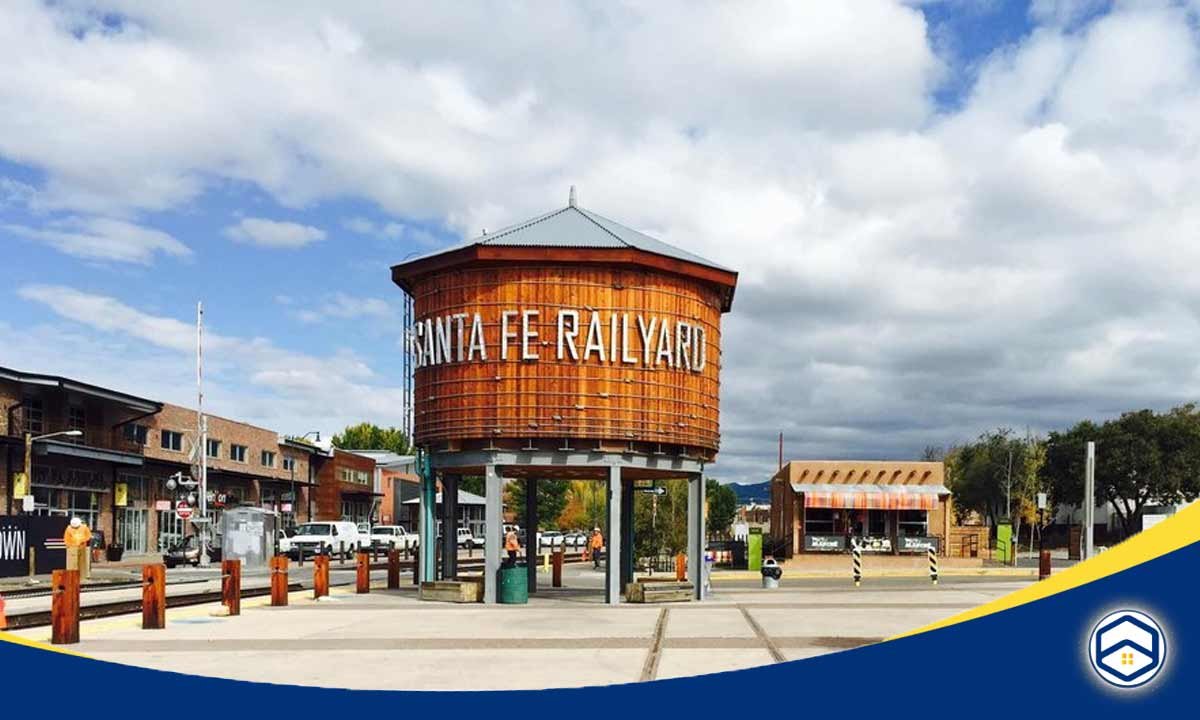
<point x="183" y="511"/>
<point x="653" y="490"/>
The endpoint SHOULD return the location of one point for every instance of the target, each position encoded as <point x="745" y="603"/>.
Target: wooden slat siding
<point x="465" y="401"/>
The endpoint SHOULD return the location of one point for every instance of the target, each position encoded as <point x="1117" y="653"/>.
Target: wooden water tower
<point x="567" y="346"/>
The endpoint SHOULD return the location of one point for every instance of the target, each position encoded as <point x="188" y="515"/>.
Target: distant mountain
<point x="754" y="493"/>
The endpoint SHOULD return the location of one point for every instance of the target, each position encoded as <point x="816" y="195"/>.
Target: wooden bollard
<point x="279" y="581"/>
<point x="320" y="576"/>
<point x="64" y="607"/>
<point x="1044" y="565"/>
<point x="231" y="585"/>
<point x="557" y="567"/>
<point x="393" y="569"/>
<point x="417" y="568"/>
<point x="680" y="567"/>
<point x="362" y="578"/>
<point x="154" y="597"/>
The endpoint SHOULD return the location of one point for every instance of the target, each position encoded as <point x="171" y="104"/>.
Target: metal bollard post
<point x="933" y="565"/>
<point x="231" y="585"/>
<point x="32" y="564"/>
<point x="556" y="577"/>
<point x="393" y="569"/>
<point x="320" y="576"/>
<point x="857" y="553"/>
<point x="416" y="558"/>
<point x="362" y="584"/>
<point x="64" y="607"/>
<point x="279" y="581"/>
<point x="154" y="597"/>
<point x="1044" y="565"/>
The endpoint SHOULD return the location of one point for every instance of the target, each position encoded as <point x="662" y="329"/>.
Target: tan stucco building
<point x="887" y="507"/>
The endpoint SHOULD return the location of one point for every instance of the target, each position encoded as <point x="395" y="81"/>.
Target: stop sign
<point x="183" y="511"/>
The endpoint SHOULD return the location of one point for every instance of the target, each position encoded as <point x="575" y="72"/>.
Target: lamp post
<point x="29" y="441"/>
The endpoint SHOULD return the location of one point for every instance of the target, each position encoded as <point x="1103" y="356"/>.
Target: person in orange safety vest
<point x="78" y="538"/>
<point x="597" y="544"/>
<point x="512" y="546"/>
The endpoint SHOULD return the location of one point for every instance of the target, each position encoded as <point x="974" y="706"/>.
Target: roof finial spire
<point x="571" y="197"/>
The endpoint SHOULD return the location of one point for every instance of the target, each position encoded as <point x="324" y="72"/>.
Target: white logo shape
<point x="1127" y="648"/>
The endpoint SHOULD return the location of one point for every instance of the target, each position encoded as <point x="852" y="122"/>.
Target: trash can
<point x="114" y="552"/>
<point x="771" y="572"/>
<point x="512" y="587"/>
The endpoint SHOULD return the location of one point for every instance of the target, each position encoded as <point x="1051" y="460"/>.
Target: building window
<point x="268" y="458"/>
<point x="214" y="448"/>
<point x="362" y="477"/>
<point x="76" y="420"/>
<point x="289" y="464"/>
<point x="135" y="433"/>
<point x="35" y="415"/>
<point x="237" y="453"/>
<point x="172" y="440"/>
<point x="913" y="522"/>
<point x="347" y="475"/>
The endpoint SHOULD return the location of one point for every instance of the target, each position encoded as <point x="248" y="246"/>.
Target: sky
<point x="947" y="216"/>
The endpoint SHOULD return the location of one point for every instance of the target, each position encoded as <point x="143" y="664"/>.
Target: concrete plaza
<point x="562" y="638"/>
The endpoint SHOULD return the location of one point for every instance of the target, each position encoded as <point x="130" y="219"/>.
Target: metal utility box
<point x="248" y="534"/>
<point x="754" y="553"/>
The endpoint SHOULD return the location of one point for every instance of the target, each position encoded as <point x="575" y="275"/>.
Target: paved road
<point x="565" y="637"/>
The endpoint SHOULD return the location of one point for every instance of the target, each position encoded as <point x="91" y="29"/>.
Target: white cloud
<point x="103" y="239"/>
<point x="273" y="233"/>
<point x="249" y="378"/>
<point x="341" y="306"/>
<point x="909" y="274"/>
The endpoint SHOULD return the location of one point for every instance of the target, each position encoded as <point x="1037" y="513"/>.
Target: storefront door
<point x="170" y="529"/>
<point x="133" y="530"/>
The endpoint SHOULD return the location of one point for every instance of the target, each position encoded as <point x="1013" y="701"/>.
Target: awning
<point x="871" y="497"/>
<point x="46" y="448"/>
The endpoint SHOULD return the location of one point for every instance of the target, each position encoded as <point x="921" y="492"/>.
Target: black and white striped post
<point x="857" y="554"/>
<point x="933" y="564"/>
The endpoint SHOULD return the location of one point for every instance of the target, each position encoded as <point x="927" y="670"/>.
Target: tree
<point x="995" y="476"/>
<point x="551" y="500"/>
<point x="585" y="505"/>
<point x="366" y="436"/>
<point x="1141" y="457"/>
<point x="722" y="506"/>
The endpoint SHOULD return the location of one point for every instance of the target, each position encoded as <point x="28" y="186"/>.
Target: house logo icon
<point x="1127" y="648"/>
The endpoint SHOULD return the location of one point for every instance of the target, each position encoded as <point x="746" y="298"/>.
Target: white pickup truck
<point x="389" y="536"/>
<point x="336" y="537"/>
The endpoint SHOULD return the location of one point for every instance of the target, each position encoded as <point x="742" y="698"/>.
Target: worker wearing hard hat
<point x="511" y="545"/>
<point x="78" y="539"/>
<point x="596" y="545"/>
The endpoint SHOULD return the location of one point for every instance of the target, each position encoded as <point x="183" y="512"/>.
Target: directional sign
<point x="1041" y="501"/>
<point x="183" y="511"/>
<point x="653" y="490"/>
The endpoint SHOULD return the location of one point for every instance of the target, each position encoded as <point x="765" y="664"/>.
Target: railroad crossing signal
<point x="183" y="511"/>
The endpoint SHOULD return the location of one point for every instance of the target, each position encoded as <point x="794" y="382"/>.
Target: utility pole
<point x="202" y="433"/>
<point x="1089" y="501"/>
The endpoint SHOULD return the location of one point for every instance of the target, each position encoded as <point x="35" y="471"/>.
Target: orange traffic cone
<point x="3" y="619"/>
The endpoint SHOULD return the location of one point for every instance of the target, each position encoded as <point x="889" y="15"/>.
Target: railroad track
<point x="44" y="591"/>
<point x="41" y="618"/>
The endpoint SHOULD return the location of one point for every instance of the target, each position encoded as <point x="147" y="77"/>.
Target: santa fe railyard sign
<point x="579" y="336"/>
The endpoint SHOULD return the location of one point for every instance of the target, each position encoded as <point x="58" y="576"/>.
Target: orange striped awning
<point x="871" y="497"/>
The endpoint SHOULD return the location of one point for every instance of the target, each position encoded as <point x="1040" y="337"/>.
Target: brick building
<point x="346" y="488"/>
<point x="888" y="507"/>
<point x="113" y="473"/>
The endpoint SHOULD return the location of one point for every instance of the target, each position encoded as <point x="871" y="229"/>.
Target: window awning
<point x="871" y="497"/>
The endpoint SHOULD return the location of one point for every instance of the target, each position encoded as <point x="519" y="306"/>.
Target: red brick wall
<point x="328" y="504"/>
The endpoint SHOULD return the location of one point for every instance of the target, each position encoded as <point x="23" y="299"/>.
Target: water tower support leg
<point x="612" y="553"/>
<point x="493" y="485"/>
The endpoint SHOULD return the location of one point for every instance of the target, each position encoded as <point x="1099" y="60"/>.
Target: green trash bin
<point x="513" y="586"/>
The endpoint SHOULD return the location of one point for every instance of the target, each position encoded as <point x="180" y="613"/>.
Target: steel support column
<point x="531" y="525"/>
<point x="449" y="526"/>
<point x="612" y="553"/>
<point x="493" y="511"/>
<point x="626" y="533"/>
<point x="696" y="533"/>
<point x="428" y="548"/>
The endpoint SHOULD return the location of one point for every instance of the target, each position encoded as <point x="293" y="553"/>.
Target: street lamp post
<point x="295" y="497"/>
<point x="29" y="441"/>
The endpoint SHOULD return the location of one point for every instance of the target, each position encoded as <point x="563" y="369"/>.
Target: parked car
<point x="467" y="539"/>
<point x="387" y="536"/>
<point x="334" y="537"/>
<point x="550" y="539"/>
<point x="575" y="540"/>
<point x="187" y="552"/>
<point x="283" y="541"/>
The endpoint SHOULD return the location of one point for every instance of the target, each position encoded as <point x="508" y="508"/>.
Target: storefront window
<point x="170" y="530"/>
<point x="819" y="521"/>
<point x="914" y="522"/>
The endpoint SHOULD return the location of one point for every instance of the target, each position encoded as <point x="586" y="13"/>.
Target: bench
<point x="464" y="590"/>
<point x="656" y="591"/>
